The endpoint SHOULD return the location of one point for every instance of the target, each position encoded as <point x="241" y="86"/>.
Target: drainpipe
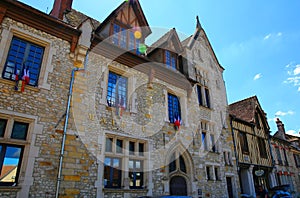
<point x="66" y="124"/>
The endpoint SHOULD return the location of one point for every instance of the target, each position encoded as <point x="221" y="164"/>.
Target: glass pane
<point x="107" y="161"/>
<point x="182" y="164"/>
<point x="137" y="164"/>
<point x="108" y="145"/>
<point x="119" y="146"/>
<point x="131" y="148"/>
<point x="130" y="165"/>
<point x="2" y="127"/>
<point x="116" y="163"/>
<point x="10" y="164"/>
<point x="19" y="130"/>
<point x="141" y="149"/>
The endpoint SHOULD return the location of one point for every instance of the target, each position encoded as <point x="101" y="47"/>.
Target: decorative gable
<point x="128" y="15"/>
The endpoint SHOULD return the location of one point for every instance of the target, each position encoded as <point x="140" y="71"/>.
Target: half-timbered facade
<point x="251" y="135"/>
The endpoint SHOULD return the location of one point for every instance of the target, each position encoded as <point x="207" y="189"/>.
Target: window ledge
<point x="10" y="188"/>
<point x="112" y="190"/>
<point x="13" y="83"/>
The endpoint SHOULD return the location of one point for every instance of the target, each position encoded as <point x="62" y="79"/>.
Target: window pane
<point x="10" y="164"/>
<point x="141" y="149"/>
<point x="182" y="164"/>
<point x="108" y="144"/>
<point x="2" y="127"/>
<point x="119" y="146"/>
<point x="116" y="31"/>
<point x="168" y="58"/>
<point x="200" y="100"/>
<point x="207" y="97"/>
<point x="130" y="165"/>
<point x="137" y="164"/>
<point x="131" y="148"/>
<point x="19" y="130"/>
<point x="123" y="38"/>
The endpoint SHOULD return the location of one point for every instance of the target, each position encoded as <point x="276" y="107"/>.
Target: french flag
<point x="177" y="122"/>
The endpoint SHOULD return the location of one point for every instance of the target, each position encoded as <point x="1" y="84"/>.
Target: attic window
<point x="170" y="59"/>
<point x="125" y="38"/>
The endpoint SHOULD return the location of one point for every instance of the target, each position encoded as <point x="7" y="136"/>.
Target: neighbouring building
<point x="286" y="156"/>
<point x="88" y="109"/>
<point x="251" y="132"/>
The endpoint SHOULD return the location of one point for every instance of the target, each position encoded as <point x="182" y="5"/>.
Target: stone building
<point x="252" y="144"/>
<point x="286" y="158"/>
<point x="88" y="109"/>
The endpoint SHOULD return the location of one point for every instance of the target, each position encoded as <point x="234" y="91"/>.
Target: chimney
<point x="280" y="126"/>
<point x="60" y="7"/>
<point x="281" y="130"/>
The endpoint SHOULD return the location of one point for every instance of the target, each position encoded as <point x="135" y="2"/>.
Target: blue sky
<point x="257" y="42"/>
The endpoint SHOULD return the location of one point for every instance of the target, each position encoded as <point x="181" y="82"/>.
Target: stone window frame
<point x="25" y="178"/>
<point x="46" y="65"/>
<point x="131" y="80"/>
<point x="183" y="105"/>
<point x="125" y="156"/>
<point x="208" y="128"/>
<point x="203" y="85"/>
<point x="210" y="173"/>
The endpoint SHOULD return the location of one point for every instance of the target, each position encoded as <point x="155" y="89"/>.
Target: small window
<point x="112" y="172"/>
<point x="217" y="173"/>
<point x="207" y="97"/>
<point x="173" y="107"/>
<point x="199" y="91"/>
<point x="2" y="127"/>
<point x="23" y="55"/>
<point x="244" y="142"/>
<point x="297" y="160"/>
<point x="117" y="90"/>
<point x="119" y="146"/>
<point x="108" y="144"/>
<point x="170" y="60"/>
<point x="213" y="144"/>
<point x="208" y="176"/>
<point x="131" y="148"/>
<point x="19" y="130"/>
<point x="262" y="147"/>
<point x="141" y="149"/>
<point x="204" y="141"/>
<point x="285" y="158"/>
<point x="279" y="159"/>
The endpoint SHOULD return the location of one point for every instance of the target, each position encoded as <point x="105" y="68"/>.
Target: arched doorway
<point x="178" y="186"/>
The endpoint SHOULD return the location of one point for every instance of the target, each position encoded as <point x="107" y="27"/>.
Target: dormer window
<point x="171" y="59"/>
<point x="125" y="38"/>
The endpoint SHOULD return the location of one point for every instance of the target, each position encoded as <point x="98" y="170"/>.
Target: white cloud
<point x="297" y="70"/>
<point x="257" y="76"/>
<point x="294" y="73"/>
<point x="267" y="37"/>
<point x="292" y="132"/>
<point x="281" y="113"/>
<point x="279" y="34"/>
